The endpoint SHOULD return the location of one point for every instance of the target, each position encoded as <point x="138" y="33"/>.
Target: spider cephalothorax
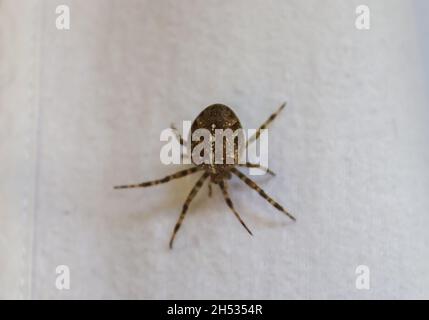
<point x="212" y="118"/>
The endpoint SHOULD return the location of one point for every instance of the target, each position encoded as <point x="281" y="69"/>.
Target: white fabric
<point x="82" y="110"/>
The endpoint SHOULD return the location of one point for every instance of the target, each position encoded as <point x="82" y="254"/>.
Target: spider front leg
<point x="188" y="200"/>
<point x="261" y="192"/>
<point x="177" y="175"/>
<point x="224" y="187"/>
<point x="265" y="125"/>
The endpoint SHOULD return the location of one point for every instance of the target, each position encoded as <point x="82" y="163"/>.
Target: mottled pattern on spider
<point x="217" y="116"/>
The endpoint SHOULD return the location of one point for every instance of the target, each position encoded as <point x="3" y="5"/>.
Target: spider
<point x="217" y="116"/>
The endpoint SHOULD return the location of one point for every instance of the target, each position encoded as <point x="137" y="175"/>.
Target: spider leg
<point x="261" y="192"/>
<point x="177" y="175"/>
<point x="188" y="200"/>
<point x="210" y="189"/>
<point x="183" y="150"/>
<point x="265" y="125"/>
<point x="177" y="133"/>
<point x="255" y="165"/>
<point x="224" y="187"/>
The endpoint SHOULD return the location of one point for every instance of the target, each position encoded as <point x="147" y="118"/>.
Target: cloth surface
<point x="82" y="110"/>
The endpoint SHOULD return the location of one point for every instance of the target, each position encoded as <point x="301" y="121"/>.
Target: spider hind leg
<point x="188" y="201"/>
<point x="224" y="187"/>
<point x="261" y="192"/>
<point x="255" y="165"/>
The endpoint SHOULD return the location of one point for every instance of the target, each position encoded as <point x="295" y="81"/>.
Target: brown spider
<point x="221" y="117"/>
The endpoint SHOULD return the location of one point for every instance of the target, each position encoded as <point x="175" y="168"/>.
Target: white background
<point x="82" y="110"/>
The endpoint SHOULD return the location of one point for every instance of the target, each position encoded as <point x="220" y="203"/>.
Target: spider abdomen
<point x="220" y="124"/>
